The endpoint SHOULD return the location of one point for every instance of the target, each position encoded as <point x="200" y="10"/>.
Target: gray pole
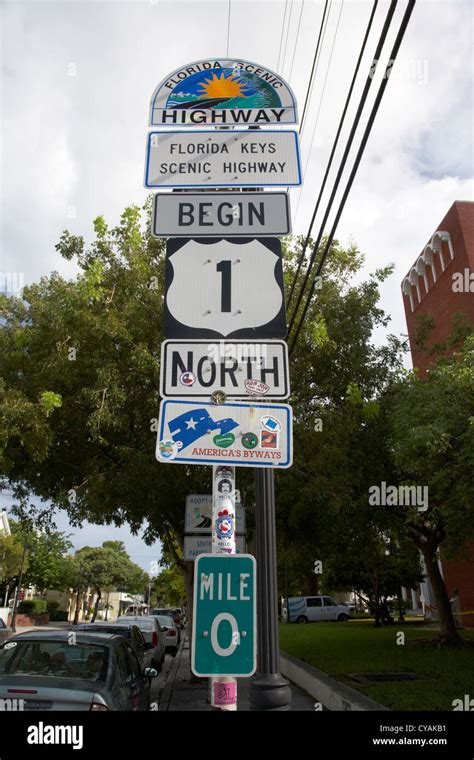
<point x="268" y="689"/>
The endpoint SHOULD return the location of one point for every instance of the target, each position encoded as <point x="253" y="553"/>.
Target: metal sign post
<point x="223" y="532"/>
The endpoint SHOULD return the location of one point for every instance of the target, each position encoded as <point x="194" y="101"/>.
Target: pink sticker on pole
<point x="225" y="693"/>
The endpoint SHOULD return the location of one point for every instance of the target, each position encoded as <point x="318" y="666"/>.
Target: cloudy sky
<point x="77" y="78"/>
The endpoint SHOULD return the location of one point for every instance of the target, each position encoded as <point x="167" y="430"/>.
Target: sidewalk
<point x="180" y="695"/>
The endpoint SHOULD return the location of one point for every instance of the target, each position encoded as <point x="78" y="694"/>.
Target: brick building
<point x="438" y="292"/>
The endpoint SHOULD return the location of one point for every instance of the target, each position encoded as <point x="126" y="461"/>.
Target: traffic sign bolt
<point x="205" y="633"/>
<point x="243" y="634"/>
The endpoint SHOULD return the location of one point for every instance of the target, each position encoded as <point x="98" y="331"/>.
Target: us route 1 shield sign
<point x="241" y="369"/>
<point x="237" y="158"/>
<point x="224" y="288"/>
<point x="224" y="616"/>
<point x="222" y="91"/>
<point x="218" y="214"/>
<point x="236" y="433"/>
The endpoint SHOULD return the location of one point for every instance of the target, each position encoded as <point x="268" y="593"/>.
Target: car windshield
<point x="56" y="659"/>
<point x="165" y="620"/>
<point x="144" y="624"/>
<point x="117" y="630"/>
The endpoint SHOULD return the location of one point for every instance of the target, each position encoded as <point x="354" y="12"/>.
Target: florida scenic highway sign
<point x="236" y="433"/>
<point x="218" y="214"/>
<point x="222" y="91"/>
<point x="241" y="369"/>
<point x="224" y="615"/>
<point x="224" y="288"/>
<point x="235" y="158"/>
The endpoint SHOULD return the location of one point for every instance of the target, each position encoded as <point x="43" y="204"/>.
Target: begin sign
<point x="220" y="214"/>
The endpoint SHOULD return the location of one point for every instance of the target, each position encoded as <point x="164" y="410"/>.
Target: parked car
<point x="5" y="631"/>
<point x="170" y="611"/>
<point x="95" y="672"/>
<point x="308" y="609"/>
<point x="129" y="631"/>
<point x="171" y="633"/>
<point x="153" y="634"/>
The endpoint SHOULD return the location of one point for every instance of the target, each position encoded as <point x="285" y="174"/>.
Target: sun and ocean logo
<point x="222" y="92"/>
<point x="223" y="89"/>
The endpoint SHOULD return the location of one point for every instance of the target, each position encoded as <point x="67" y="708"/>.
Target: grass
<point x="357" y="647"/>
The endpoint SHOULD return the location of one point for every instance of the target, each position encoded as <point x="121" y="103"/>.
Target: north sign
<point x="224" y="616"/>
<point x="215" y="214"/>
<point x="211" y="158"/>
<point x="256" y="434"/>
<point x="224" y="288"/>
<point x="198" y="515"/>
<point x="241" y="369"/>
<point x="222" y="91"/>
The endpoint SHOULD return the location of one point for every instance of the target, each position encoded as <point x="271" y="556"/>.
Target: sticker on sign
<point x="240" y="368"/>
<point x="217" y="214"/>
<point x="237" y="158"/>
<point x="241" y="434"/>
<point x="198" y="516"/>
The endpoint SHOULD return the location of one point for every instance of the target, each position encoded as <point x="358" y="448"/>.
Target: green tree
<point x="169" y="588"/>
<point x="432" y="435"/>
<point x="49" y="565"/>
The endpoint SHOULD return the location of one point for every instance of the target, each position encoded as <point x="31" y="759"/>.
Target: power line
<point x="281" y="37"/>
<point x="355" y="124"/>
<point x="319" y="107"/>
<point x="287" y="33"/>
<point x="375" y="108"/>
<point x="296" y="40"/>
<point x="336" y="140"/>
<point x="313" y="66"/>
<point x="228" y="27"/>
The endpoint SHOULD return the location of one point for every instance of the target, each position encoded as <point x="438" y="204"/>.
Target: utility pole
<point x="268" y="689"/>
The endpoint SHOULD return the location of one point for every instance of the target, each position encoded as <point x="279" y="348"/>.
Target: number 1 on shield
<point x="224" y="267"/>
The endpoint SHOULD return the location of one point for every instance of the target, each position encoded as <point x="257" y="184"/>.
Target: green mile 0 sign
<point x="224" y="616"/>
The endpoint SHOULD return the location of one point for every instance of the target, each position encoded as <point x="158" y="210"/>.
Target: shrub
<point x="33" y="607"/>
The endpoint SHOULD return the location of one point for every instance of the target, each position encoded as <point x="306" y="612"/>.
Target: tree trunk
<point x="377" y="622"/>
<point x="78" y="607"/>
<point x="96" y="606"/>
<point x="448" y="633"/>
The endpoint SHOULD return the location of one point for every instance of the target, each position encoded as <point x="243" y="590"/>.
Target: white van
<point x="308" y="609"/>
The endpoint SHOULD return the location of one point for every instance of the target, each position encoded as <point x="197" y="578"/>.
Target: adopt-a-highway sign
<point x="244" y="434"/>
<point x="224" y="616"/>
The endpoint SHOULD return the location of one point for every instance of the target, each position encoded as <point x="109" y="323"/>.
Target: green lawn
<point x="357" y="647"/>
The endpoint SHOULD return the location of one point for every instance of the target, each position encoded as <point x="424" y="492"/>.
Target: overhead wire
<point x="360" y="152"/>
<point x="296" y="41"/>
<point x="362" y="101"/>
<point x="311" y="76"/>
<point x="321" y="98"/>
<point x="281" y="37"/>
<point x="287" y="33"/>
<point x="228" y="27"/>
<point x="335" y="143"/>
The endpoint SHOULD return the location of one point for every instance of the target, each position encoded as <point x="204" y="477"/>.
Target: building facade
<point x="438" y="296"/>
